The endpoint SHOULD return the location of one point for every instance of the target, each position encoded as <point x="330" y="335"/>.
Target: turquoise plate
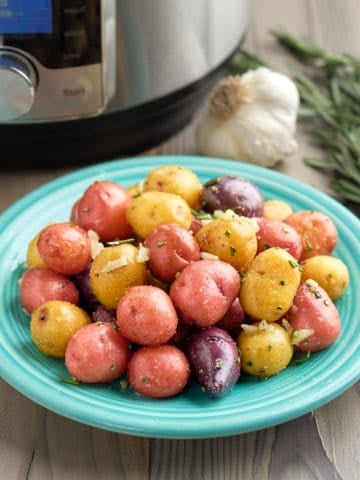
<point x="252" y="404"/>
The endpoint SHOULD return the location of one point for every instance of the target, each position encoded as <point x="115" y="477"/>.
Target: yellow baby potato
<point x="113" y="271"/>
<point x="233" y="241"/>
<point x="265" y="350"/>
<point x="329" y="272"/>
<point x="175" y="179"/>
<point x="270" y="284"/>
<point x="276" y="209"/>
<point x="151" y="209"/>
<point x="33" y="258"/>
<point x="53" y="324"/>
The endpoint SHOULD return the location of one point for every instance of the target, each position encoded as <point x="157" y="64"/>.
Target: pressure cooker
<point x="88" y="80"/>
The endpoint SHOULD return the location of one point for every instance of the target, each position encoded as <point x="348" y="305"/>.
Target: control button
<point x="74" y="93"/>
<point x="17" y="85"/>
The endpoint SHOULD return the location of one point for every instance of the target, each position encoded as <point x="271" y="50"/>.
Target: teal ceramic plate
<point x="252" y="404"/>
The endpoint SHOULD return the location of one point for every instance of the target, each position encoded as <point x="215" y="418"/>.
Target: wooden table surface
<point x="37" y="444"/>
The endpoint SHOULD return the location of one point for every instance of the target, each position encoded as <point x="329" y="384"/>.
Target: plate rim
<point x="112" y="166"/>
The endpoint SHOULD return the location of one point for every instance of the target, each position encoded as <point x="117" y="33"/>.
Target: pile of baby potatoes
<point x="171" y="281"/>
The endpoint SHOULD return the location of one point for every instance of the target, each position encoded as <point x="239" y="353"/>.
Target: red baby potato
<point x="146" y="316"/>
<point x="275" y="233"/>
<point x="102" y="208"/>
<point x="204" y="291"/>
<point x="313" y="310"/>
<point x="97" y="353"/>
<point x="172" y="247"/>
<point x="38" y="285"/>
<point x="65" y="248"/>
<point x="317" y="230"/>
<point x="158" y="372"/>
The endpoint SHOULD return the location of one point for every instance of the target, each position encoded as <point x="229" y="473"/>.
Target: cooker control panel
<point x="51" y="60"/>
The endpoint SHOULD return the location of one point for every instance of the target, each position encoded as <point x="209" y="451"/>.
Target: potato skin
<point x="146" y="315"/>
<point x="270" y="284"/>
<point x="53" y="324"/>
<point x="318" y="232"/>
<point x="109" y="285"/>
<point x="38" y="285"/>
<point x="265" y="352"/>
<point x="276" y="209"/>
<point x="151" y="209"/>
<point x="33" y="258"/>
<point x="102" y="208"/>
<point x="159" y="371"/>
<point x="214" y="359"/>
<point x="97" y="353"/>
<point x="231" y="240"/>
<point x="274" y="233"/>
<point x="171" y="249"/>
<point x="313" y="309"/>
<point x="329" y="272"/>
<point x="204" y="291"/>
<point x="175" y="179"/>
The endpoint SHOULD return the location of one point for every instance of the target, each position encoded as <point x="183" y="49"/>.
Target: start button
<point x="74" y="93"/>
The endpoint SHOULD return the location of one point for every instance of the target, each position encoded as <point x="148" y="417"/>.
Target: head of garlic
<point x="251" y="117"/>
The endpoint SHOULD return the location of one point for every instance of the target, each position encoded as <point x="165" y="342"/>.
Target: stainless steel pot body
<point x="85" y="80"/>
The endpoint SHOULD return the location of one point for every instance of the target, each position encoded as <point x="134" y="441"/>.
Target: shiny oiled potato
<point x="151" y="209"/>
<point x="265" y="350"/>
<point x="175" y="179"/>
<point x="270" y="284"/>
<point x="329" y="272"/>
<point x="33" y="258"/>
<point x="233" y="241"/>
<point x="277" y="209"/>
<point x="53" y="324"/>
<point x="113" y="271"/>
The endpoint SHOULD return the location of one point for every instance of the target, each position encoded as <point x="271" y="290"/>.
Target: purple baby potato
<point x="87" y="297"/>
<point x="214" y="359"/>
<point x="232" y="192"/>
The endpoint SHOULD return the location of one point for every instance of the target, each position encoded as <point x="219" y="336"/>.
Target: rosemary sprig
<point x="329" y="88"/>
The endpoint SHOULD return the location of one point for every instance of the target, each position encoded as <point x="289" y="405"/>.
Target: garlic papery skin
<point x="251" y="117"/>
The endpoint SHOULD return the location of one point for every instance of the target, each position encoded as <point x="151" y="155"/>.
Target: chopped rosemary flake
<point x="161" y="243"/>
<point x="227" y="233"/>
<point x="249" y="363"/>
<point x="232" y="250"/>
<point x="145" y="380"/>
<point x="201" y="214"/>
<point x="304" y="359"/>
<point x="282" y="282"/>
<point x="218" y="363"/>
<point x="70" y="381"/>
<point x="120" y="242"/>
<point x="293" y="264"/>
<point x="308" y="247"/>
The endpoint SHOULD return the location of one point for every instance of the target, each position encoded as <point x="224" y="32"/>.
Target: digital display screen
<point x="25" y="16"/>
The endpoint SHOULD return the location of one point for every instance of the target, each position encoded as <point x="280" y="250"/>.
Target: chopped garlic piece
<point x="143" y="254"/>
<point x="208" y="256"/>
<point x="250" y="329"/>
<point x="300" y="335"/>
<point x="114" y="264"/>
<point x="95" y="245"/>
